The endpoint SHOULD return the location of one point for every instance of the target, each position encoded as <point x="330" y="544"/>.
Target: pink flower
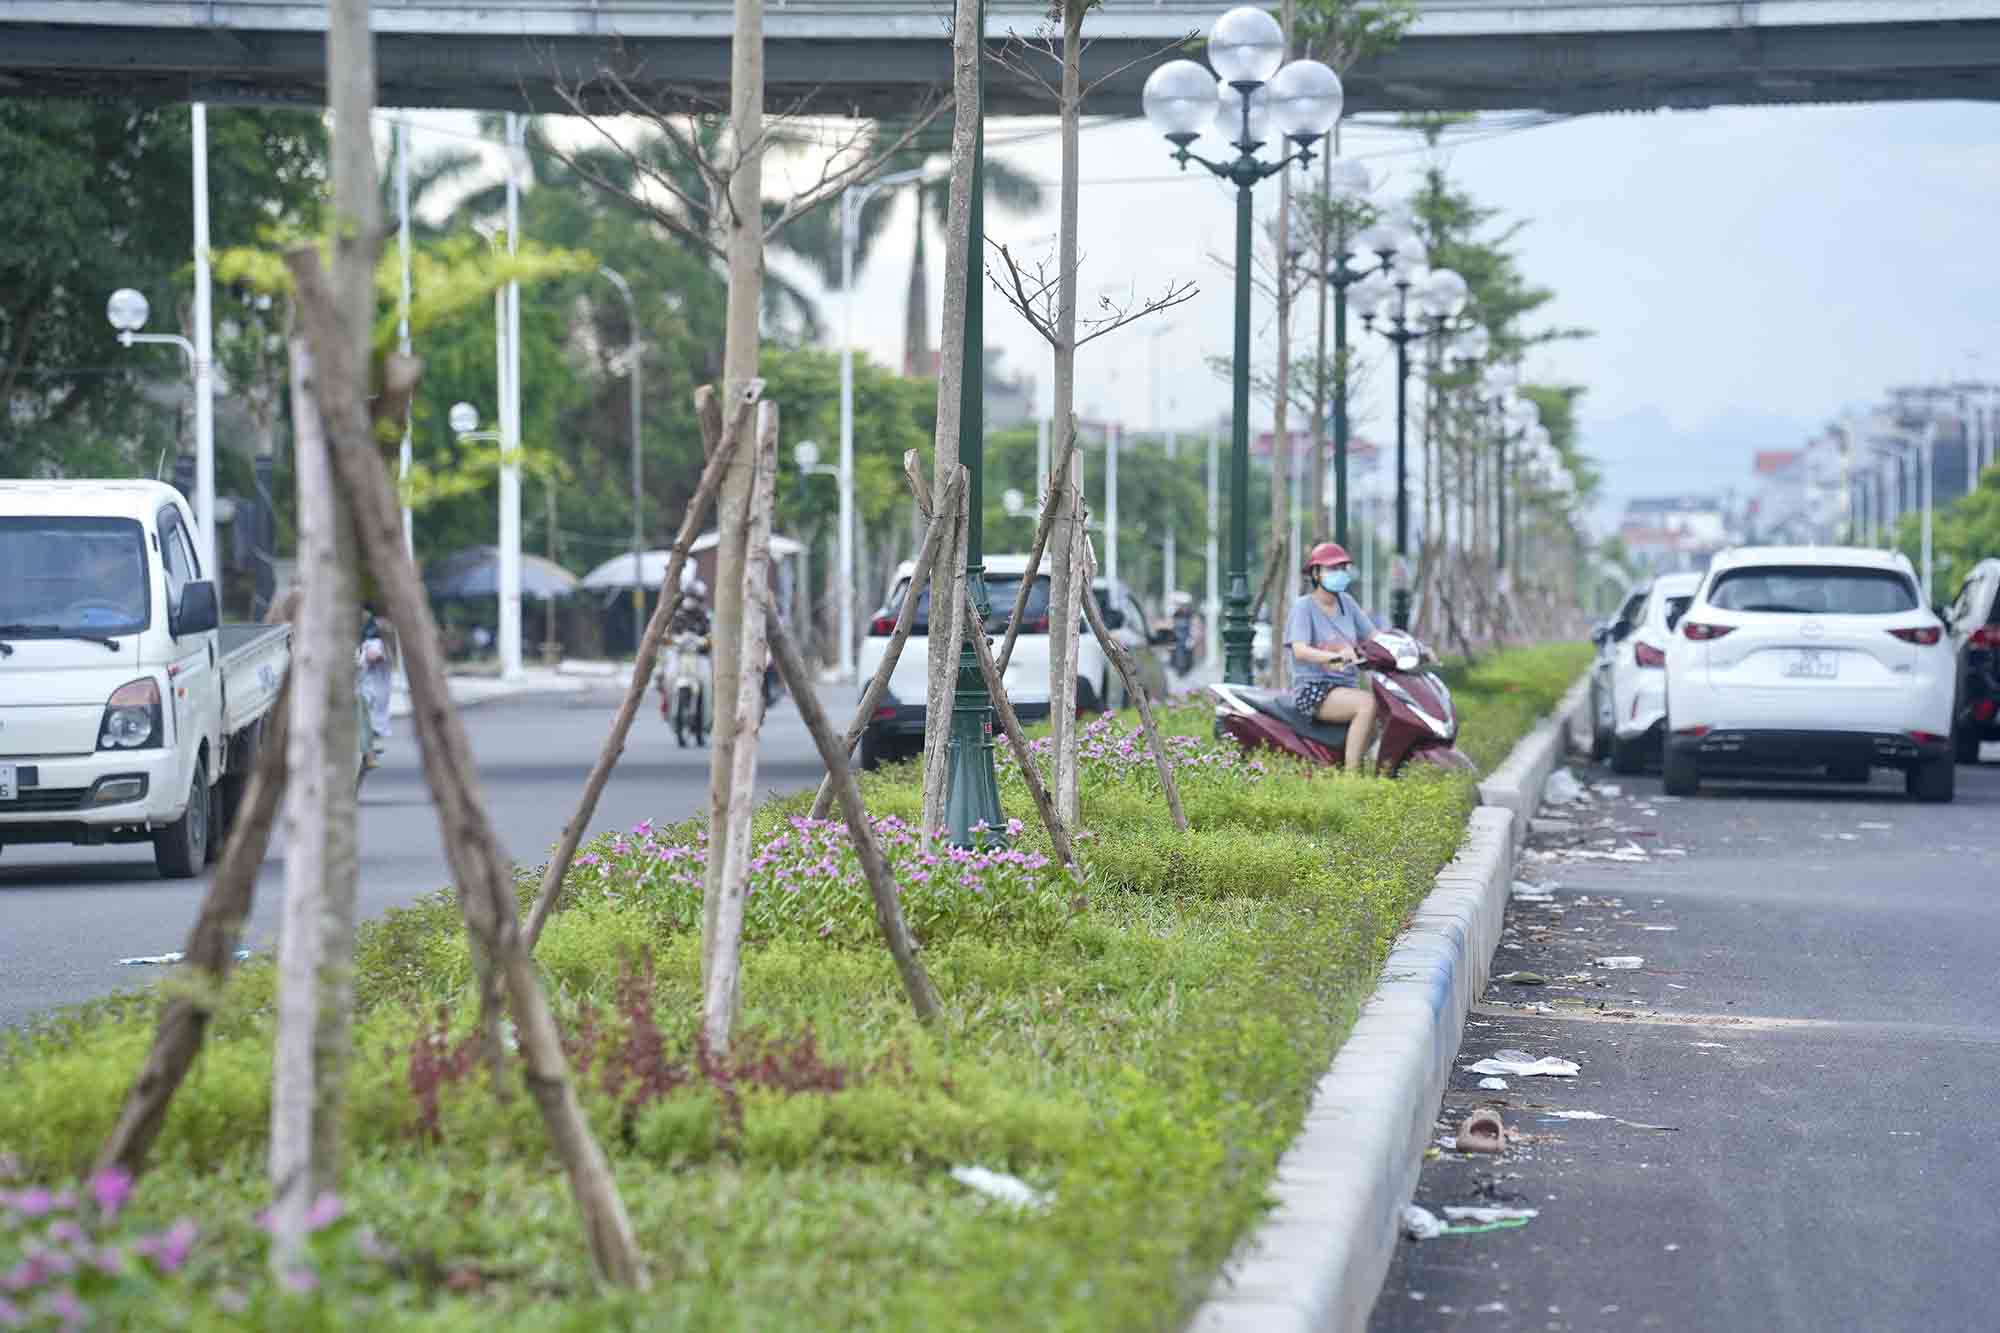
<point x="170" y="1248"/>
<point x="300" y="1280"/>
<point x="64" y="1304"/>
<point x="32" y="1203"/>
<point x="68" y="1232"/>
<point x="10" y="1314"/>
<point x="325" y="1211"/>
<point x="111" y="1188"/>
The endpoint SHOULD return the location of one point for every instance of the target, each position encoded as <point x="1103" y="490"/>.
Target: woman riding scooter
<point x="1325" y="632"/>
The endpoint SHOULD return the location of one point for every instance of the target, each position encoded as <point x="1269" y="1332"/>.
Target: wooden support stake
<point x="874" y="866"/>
<point x="1051" y="507"/>
<point x="719" y="453"/>
<point x="906" y="616"/>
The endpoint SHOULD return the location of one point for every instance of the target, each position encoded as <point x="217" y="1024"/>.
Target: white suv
<point x="1805" y="657"/>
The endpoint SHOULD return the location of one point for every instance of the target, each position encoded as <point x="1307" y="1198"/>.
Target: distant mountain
<point x="1644" y="453"/>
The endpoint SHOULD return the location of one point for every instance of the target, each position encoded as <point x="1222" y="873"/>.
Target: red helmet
<point x="1327" y="554"/>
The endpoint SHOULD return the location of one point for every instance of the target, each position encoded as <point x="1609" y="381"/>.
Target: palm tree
<point x="669" y="157"/>
<point x="815" y="236"/>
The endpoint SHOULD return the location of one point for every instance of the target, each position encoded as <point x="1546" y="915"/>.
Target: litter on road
<point x="1563" y="788"/>
<point x="1524" y="892"/>
<point x="1624" y="962"/>
<point x="1526" y="979"/>
<point x="1458" y="1214"/>
<point x="1420" y="1223"/>
<point x="1483" y="1132"/>
<point x="1522" y="1065"/>
<point x="1659" y="927"/>
<point x="1575" y="1115"/>
<point x="1493" y="1084"/>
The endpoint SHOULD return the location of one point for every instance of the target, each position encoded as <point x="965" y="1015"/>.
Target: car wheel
<point x="1600" y="735"/>
<point x="872" y="748"/>
<point x="1965" y="745"/>
<point x="1933" y="780"/>
<point x="1683" y="777"/>
<point x="180" y="850"/>
<point x="1628" y="756"/>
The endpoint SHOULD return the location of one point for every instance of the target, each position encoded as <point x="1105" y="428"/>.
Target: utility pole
<point x="404" y="456"/>
<point x="1114" y="435"/>
<point x="204" y="358"/>
<point x="1211" y="611"/>
<point x="1171" y="578"/>
<point x="510" y="428"/>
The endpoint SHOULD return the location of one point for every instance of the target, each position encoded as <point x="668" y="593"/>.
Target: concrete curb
<point x="1319" y="1259"/>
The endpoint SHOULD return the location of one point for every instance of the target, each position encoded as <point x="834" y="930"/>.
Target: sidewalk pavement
<point x="565" y="678"/>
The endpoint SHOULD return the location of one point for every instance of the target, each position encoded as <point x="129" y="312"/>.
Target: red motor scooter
<point x="1419" y="721"/>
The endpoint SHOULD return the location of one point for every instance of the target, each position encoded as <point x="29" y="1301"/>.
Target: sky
<point x="1746" y="273"/>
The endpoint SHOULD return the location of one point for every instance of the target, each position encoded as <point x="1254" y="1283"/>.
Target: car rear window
<point x="1676" y="608"/>
<point x="1825" y="590"/>
<point x="1001" y="590"/>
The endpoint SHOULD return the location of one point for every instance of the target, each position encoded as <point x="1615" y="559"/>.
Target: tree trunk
<point x="720" y="452"/>
<point x="1063" y="609"/>
<point x="315" y="942"/>
<point x="729" y="843"/>
<point x="948" y="627"/>
<point x="962" y="255"/>
<point x="210" y="955"/>
<point x="481" y="872"/>
<point x="744" y="220"/>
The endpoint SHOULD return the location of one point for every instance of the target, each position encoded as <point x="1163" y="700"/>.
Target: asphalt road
<point x="68" y="914"/>
<point x="1799" y="1079"/>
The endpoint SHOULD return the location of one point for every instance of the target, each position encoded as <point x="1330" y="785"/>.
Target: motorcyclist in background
<point x="1324" y="635"/>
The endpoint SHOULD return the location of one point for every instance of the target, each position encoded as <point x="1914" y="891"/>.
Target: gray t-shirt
<point x="1313" y="625"/>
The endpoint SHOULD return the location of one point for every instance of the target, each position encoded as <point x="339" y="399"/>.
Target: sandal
<point x="1483" y="1132"/>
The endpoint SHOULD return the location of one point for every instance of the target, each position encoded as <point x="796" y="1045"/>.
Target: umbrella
<point x="617" y="571"/>
<point x="475" y="573"/>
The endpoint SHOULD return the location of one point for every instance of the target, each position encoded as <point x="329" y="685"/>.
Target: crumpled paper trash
<point x="1522" y="1065"/>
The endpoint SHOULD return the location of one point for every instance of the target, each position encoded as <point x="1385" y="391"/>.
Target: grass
<point x="1140" y="1045"/>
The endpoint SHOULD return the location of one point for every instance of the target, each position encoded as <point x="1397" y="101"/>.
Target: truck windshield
<point x="62" y="576"/>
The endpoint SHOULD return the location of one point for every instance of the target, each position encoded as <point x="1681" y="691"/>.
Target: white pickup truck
<point x="127" y="712"/>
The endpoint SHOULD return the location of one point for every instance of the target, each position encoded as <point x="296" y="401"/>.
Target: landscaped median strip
<point x="1319" y="1260"/>
<point x="1132" y="1053"/>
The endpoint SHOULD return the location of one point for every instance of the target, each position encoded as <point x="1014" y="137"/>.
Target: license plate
<point x="7" y="790"/>
<point x="1813" y="664"/>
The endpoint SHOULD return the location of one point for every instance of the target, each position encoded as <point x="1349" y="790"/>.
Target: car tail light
<point x="1702" y="633"/>
<point x="1928" y="737"/>
<point x="882" y="627"/>
<point x="1692" y="731"/>
<point x="1986" y="636"/>
<point x="1040" y="626"/>
<point x="884" y="712"/>
<point x="1985" y="709"/>
<point x="1646" y="655"/>
<point x="1926" y="635"/>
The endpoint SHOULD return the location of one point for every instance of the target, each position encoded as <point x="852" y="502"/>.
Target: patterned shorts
<point x="1307" y="695"/>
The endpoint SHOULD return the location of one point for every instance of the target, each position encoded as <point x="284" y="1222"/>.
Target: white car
<point x="1606" y="637"/>
<point x="897" y="729"/>
<point x="1810" y="657"/>
<point x="1634" y="697"/>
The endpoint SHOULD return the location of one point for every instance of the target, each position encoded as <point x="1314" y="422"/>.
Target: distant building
<point x="1663" y="534"/>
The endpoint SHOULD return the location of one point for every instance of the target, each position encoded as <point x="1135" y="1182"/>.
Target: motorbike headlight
<point x="132" y="718"/>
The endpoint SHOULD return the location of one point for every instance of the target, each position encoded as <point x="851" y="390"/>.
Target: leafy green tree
<point x="100" y="197"/>
<point x="1963" y="533"/>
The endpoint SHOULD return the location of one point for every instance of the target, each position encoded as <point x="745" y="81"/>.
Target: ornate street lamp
<point x="1385" y="298"/>
<point x="1247" y="100"/>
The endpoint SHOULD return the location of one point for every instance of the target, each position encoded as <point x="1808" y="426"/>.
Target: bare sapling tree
<point x="867" y="848"/>
<point x="720" y="452"/>
<point x="967" y="49"/>
<point x="315" y="1000"/>
<point x="210" y="955"/>
<point x="1135" y="690"/>
<point x="729" y="841"/>
<point x="481" y="870"/>
<point x="1049" y="304"/>
<point x="928" y="556"/>
<point x="1283" y="454"/>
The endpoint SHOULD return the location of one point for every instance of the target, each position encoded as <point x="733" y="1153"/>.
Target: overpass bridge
<point x="881" y="57"/>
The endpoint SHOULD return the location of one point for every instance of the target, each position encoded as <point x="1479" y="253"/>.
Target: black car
<point x="1974" y="618"/>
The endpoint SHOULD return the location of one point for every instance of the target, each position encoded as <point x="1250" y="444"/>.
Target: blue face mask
<point x="1336" y="580"/>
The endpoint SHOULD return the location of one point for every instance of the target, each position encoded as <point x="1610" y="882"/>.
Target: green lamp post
<point x="972" y="806"/>
<point x="1248" y="96"/>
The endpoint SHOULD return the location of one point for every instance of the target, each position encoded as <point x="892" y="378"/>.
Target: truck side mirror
<point x="197" y="612"/>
